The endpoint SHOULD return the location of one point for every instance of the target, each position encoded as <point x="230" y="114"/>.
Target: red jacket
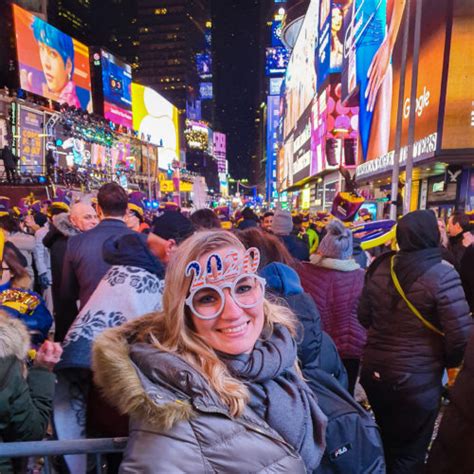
<point x="336" y="286"/>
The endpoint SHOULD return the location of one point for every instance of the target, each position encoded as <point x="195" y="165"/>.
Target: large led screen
<point x="330" y="41"/>
<point x="117" y="87"/>
<point x="51" y="63"/>
<point x="156" y="120"/>
<point x="458" y="126"/>
<point x="373" y="34"/>
<point x="276" y="61"/>
<point x="300" y="80"/>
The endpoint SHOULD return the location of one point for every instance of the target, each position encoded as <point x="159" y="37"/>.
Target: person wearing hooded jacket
<point x="133" y="286"/>
<point x="316" y="349"/>
<point x="25" y="396"/>
<point x="404" y="357"/>
<point x="81" y="218"/>
<point x="335" y="282"/>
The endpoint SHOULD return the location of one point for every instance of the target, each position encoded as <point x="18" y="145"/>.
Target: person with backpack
<point x="418" y="323"/>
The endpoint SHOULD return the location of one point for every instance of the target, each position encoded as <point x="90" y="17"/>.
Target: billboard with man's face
<point x="51" y="63"/>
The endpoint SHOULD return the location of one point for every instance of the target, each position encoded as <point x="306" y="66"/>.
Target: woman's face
<point x="336" y="20"/>
<point x="55" y="70"/>
<point x="235" y="330"/>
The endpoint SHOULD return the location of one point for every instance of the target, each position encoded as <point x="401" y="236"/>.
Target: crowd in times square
<point x="160" y="315"/>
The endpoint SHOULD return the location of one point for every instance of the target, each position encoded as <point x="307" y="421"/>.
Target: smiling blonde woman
<point x="209" y="382"/>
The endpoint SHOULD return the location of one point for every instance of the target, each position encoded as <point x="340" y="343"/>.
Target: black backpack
<point x="353" y="442"/>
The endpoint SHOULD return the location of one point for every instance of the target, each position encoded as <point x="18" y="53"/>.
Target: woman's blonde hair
<point x="171" y="330"/>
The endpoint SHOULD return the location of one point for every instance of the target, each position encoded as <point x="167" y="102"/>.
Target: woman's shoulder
<point x="125" y="382"/>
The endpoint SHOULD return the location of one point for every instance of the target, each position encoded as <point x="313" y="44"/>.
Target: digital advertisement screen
<point x="273" y="118"/>
<point x="51" y="63"/>
<point x="204" y="65"/>
<point x="30" y="140"/>
<point x="276" y="61"/>
<point x="458" y="127"/>
<point x="335" y="131"/>
<point x="275" y="85"/>
<point x="300" y="80"/>
<point x="206" y="91"/>
<point x="117" y="87"/>
<point x="302" y="147"/>
<point x="156" y="120"/>
<point x="372" y="82"/>
<point x="330" y="40"/>
<point x="276" y="31"/>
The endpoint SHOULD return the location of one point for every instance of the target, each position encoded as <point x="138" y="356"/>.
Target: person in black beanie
<point x="167" y="232"/>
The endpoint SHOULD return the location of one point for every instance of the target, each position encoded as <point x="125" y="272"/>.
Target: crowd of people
<point x="235" y="345"/>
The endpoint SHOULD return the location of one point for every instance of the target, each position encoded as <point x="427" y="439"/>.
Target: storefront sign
<point x="166" y="186"/>
<point x="422" y="149"/>
<point x="185" y="187"/>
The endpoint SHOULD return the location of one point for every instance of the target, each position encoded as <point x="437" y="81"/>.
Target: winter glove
<point x="43" y="281"/>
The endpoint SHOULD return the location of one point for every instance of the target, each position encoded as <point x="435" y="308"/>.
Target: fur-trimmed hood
<point x="14" y="337"/>
<point x="61" y="228"/>
<point x="140" y="380"/>
<point x="64" y="225"/>
<point x="347" y="265"/>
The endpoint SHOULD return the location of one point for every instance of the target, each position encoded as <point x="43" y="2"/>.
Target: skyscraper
<point x="74" y="17"/>
<point x="171" y="33"/>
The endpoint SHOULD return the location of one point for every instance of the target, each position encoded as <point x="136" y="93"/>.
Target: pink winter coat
<point x="336" y="286"/>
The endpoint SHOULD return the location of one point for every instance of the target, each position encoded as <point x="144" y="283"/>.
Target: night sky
<point x="236" y="67"/>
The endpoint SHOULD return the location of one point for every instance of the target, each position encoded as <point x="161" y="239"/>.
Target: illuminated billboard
<point x="156" y="121"/>
<point x="372" y="59"/>
<point x="458" y="125"/>
<point x="204" y="65"/>
<point x="30" y="141"/>
<point x="197" y="135"/>
<point x="275" y="85"/>
<point x="273" y="119"/>
<point x="334" y="134"/>
<point x="276" y="61"/>
<point x="276" y="31"/>
<point x="51" y="63"/>
<point x="117" y="88"/>
<point x="300" y="79"/>
<point x="330" y="40"/>
<point x="206" y="90"/>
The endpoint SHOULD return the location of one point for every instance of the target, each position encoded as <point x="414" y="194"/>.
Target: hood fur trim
<point x="64" y="225"/>
<point x="118" y="380"/>
<point x="348" y="265"/>
<point x="14" y="337"/>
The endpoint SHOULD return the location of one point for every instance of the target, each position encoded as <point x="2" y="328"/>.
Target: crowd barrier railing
<point x="46" y="449"/>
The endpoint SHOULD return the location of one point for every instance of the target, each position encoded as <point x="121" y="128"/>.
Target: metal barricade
<point x="46" y="449"/>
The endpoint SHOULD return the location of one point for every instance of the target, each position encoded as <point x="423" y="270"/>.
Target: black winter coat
<point x="397" y="339"/>
<point x="453" y="449"/>
<point x="84" y="264"/>
<point x="56" y="241"/>
<point x="296" y="246"/>
<point x="467" y="275"/>
<point x="457" y="249"/>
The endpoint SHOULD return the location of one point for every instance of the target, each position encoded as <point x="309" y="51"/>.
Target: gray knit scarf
<point x="280" y="396"/>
